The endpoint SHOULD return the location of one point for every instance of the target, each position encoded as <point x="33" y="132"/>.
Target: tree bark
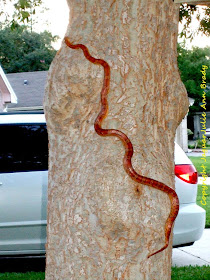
<point x="102" y="224"/>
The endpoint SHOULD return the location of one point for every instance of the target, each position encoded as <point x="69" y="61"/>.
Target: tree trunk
<point x="101" y="223"/>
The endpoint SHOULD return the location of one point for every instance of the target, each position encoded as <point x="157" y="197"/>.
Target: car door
<point x="23" y="187"/>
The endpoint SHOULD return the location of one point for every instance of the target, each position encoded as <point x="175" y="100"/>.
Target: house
<point x="198" y="127"/>
<point x="181" y="137"/>
<point x="7" y="94"/>
<point x="29" y="87"/>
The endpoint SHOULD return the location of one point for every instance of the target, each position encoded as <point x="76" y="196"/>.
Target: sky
<point x="58" y="17"/>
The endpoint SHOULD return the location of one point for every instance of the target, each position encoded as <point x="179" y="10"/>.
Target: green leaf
<point x="25" y="15"/>
<point x="22" y="4"/>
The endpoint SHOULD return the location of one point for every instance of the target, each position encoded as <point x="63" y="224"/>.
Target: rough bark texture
<point x="101" y="224"/>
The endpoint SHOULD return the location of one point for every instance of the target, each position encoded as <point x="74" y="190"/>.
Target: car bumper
<point x="189" y="224"/>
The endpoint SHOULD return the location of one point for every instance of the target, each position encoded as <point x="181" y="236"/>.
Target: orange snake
<point x="127" y="144"/>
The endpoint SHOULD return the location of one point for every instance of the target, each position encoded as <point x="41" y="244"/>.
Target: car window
<point x="23" y="148"/>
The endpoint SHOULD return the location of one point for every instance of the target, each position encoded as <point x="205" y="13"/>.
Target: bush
<point x="189" y="132"/>
<point x="191" y="146"/>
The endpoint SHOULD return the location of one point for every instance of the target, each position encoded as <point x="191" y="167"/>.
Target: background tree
<point x="23" y="51"/>
<point x="190" y="64"/>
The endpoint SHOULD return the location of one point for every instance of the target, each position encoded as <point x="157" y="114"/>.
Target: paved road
<point x="197" y="254"/>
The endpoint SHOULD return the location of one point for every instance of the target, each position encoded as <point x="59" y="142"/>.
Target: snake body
<point x="127" y="164"/>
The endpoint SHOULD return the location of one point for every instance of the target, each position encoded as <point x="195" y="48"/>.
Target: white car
<point x="190" y="222"/>
<point x="23" y="188"/>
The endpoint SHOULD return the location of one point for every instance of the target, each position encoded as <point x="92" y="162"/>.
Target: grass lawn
<point x="197" y="161"/>
<point x="207" y="206"/>
<point x="23" y="276"/>
<point x="190" y="273"/>
<point x="178" y="273"/>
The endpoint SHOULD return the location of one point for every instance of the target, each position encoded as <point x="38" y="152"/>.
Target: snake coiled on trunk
<point x="127" y="144"/>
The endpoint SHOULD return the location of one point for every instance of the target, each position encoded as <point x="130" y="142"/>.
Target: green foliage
<point x="202" y="15"/>
<point x="191" y="273"/>
<point x="207" y="206"/>
<point x="23" y="51"/>
<point x="23" y="12"/>
<point x="199" y="145"/>
<point x="185" y="13"/>
<point x="205" y="23"/>
<point x="178" y="273"/>
<point x="25" y="9"/>
<point x="191" y="146"/>
<point x="23" y="276"/>
<point x="190" y="64"/>
<point x="189" y="132"/>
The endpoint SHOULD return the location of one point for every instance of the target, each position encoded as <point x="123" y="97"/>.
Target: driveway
<point x="197" y="254"/>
